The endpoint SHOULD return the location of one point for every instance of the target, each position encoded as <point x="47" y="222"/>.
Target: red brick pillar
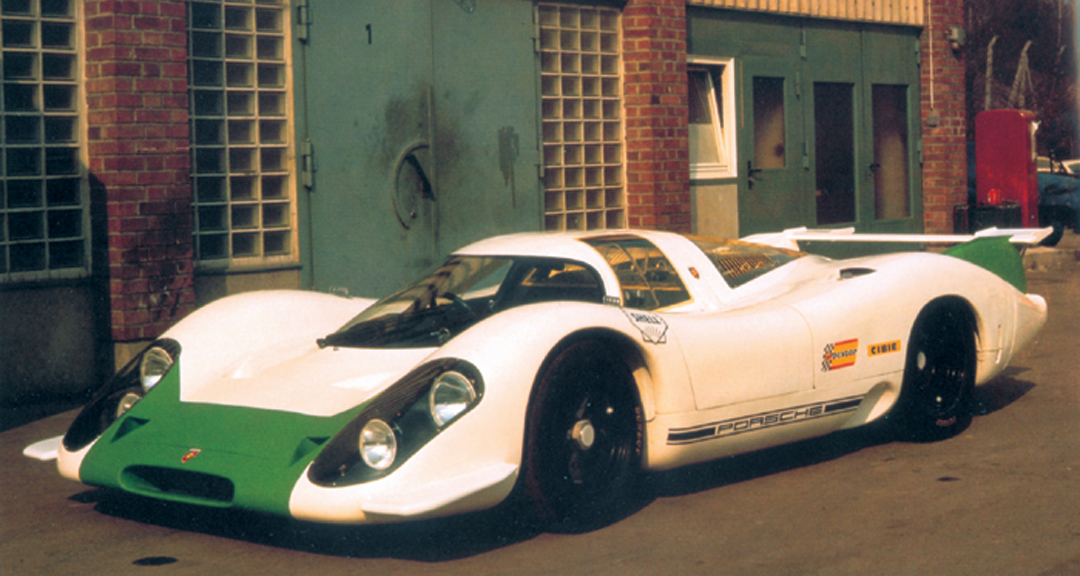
<point x="137" y="102"/>
<point x="655" y="84"/>
<point x="944" y="118"/>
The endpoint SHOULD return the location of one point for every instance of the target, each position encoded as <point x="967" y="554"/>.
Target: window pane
<point x="892" y="198"/>
<point x="703" y="145"/>
<point x="42" y="206"/>
<point x="834" y="135"/>
<point x="242" y="52"/>
<point x="770" y="139"/>
<point x="581" y="105"/>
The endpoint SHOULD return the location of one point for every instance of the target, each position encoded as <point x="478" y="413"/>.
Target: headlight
<point x="155" y="363"/>
<point x="451" y="394"/>
<point x="127" y="402"/>
<point x="378" y="445"/>
<point x="398" y="423"/>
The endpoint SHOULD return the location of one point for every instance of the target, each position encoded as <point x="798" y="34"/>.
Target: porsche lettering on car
<point x="551" y="369"/>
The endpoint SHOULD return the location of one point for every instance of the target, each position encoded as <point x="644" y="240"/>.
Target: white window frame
<point x="721" y="118"/>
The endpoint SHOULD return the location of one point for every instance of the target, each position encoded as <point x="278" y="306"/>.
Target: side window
<point x="740" y="262"/>
<point x="647" y="280"/>
<point x="712" y="118"/>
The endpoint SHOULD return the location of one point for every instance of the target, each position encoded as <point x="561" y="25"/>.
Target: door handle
<point x="750" y="172"/>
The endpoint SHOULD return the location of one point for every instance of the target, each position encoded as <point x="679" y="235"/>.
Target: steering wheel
<point x="457" y="301"/>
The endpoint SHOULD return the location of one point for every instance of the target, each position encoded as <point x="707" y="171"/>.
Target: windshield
<point x="741" y="262"/>
<point x="462" y="292"/>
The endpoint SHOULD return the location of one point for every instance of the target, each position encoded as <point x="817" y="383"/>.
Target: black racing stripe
<point x="691" y="435"/>
<point x="842" y="405"/>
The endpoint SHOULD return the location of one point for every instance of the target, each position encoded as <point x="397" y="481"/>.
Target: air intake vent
<point x="181" y="485"/>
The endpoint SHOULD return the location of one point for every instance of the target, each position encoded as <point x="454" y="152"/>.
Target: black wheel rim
<point x="942" y="364"/>
<point x="589" y="441"/>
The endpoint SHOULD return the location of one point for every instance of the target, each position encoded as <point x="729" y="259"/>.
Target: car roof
<point x="568" y="245"/>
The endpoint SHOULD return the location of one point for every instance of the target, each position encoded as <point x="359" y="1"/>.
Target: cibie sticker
<point x="883" y="348"/>
<point x="653" y="328"/>
<point x="839" y="355"/>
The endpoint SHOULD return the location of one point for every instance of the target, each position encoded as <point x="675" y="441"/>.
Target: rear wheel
<point x="583" y="438"/>
<point x="939" y="377"/>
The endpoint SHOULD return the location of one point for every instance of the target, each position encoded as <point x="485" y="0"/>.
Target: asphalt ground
<point x="1003" y="497"/>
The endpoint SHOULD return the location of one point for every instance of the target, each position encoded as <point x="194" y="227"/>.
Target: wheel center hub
<point x="583" y="434"/>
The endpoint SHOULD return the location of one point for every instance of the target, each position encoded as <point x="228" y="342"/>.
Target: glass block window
<point x="43" y="214"/>
<point x="581" y="99"/>
<point x="240" y="131"/>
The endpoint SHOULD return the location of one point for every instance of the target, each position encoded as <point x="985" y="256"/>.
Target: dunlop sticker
<point x="839" y="355"/>
<point x="883" y="348"/>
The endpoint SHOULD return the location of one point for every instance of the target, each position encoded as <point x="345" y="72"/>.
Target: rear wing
<point x="790" y="238"/>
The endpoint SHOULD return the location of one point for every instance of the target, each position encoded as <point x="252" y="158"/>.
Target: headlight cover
<point x="398" y="423"/>
<point x="378" y="445"/>
<point x="450" y="396"/>
<point x="155" y="363"/>
<point x="122" y="392"/>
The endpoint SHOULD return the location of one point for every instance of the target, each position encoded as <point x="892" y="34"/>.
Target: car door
<point x="759" y="352"/>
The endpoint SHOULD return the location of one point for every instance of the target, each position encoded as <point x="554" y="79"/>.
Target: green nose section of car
<point x="996" y="254"/>
<point x="208" y="454"/>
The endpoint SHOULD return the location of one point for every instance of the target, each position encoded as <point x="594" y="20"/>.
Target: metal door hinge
<point x="918" y="148"/>
<point x="802" y="43"/>
<point x="307" y="164"/>
<point x="536" y="29"/>
<point x="303" y="20"/>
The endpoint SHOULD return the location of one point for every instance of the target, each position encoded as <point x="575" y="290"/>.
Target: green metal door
<point x="364" y="94"/>
<point x="486" y="110"/>
<point x="421" y="119"/>
<point x="771" y="194"/>
<point x="893" y="198"/>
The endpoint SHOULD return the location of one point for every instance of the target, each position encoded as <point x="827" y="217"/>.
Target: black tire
<point x="583" y="439"/>
<point x="939" y="377"/>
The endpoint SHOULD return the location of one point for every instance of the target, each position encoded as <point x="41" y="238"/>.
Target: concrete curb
<point x="1063" y="257"/>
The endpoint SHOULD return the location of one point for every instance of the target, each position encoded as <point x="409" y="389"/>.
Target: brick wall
<point x="657" y="164"/>
<point x="137" y="102"/>
<point x="943" y="96"/>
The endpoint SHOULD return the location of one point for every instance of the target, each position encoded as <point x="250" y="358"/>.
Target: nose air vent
<point x="849" y="273"/>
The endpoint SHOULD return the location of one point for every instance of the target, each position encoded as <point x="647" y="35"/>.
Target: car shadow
<point x="434" y="540"/>
<point x="743" y="467"/>
<point x="1002" y="391"/>
<point x="476" y="533"/>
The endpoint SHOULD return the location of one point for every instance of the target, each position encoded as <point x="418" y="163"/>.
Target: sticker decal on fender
<point x="883" y="348"/>
<point x="653" y="328"/>
<point x="840" y="355"/>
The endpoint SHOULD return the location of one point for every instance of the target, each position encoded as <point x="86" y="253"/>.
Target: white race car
<point x="551" y="369"/>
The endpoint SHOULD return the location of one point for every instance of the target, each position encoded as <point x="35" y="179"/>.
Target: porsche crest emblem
<point x="190" y="454"/>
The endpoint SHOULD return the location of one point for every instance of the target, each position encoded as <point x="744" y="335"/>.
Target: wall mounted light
<point x="956" y="37"/>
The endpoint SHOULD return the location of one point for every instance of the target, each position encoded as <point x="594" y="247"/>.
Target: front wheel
<point x="939" y="376"/>
<point x="583" y="438"/>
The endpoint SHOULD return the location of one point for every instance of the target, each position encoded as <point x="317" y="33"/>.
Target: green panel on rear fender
<point x="996" y="254"/>
<point x="208" y="454"/>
